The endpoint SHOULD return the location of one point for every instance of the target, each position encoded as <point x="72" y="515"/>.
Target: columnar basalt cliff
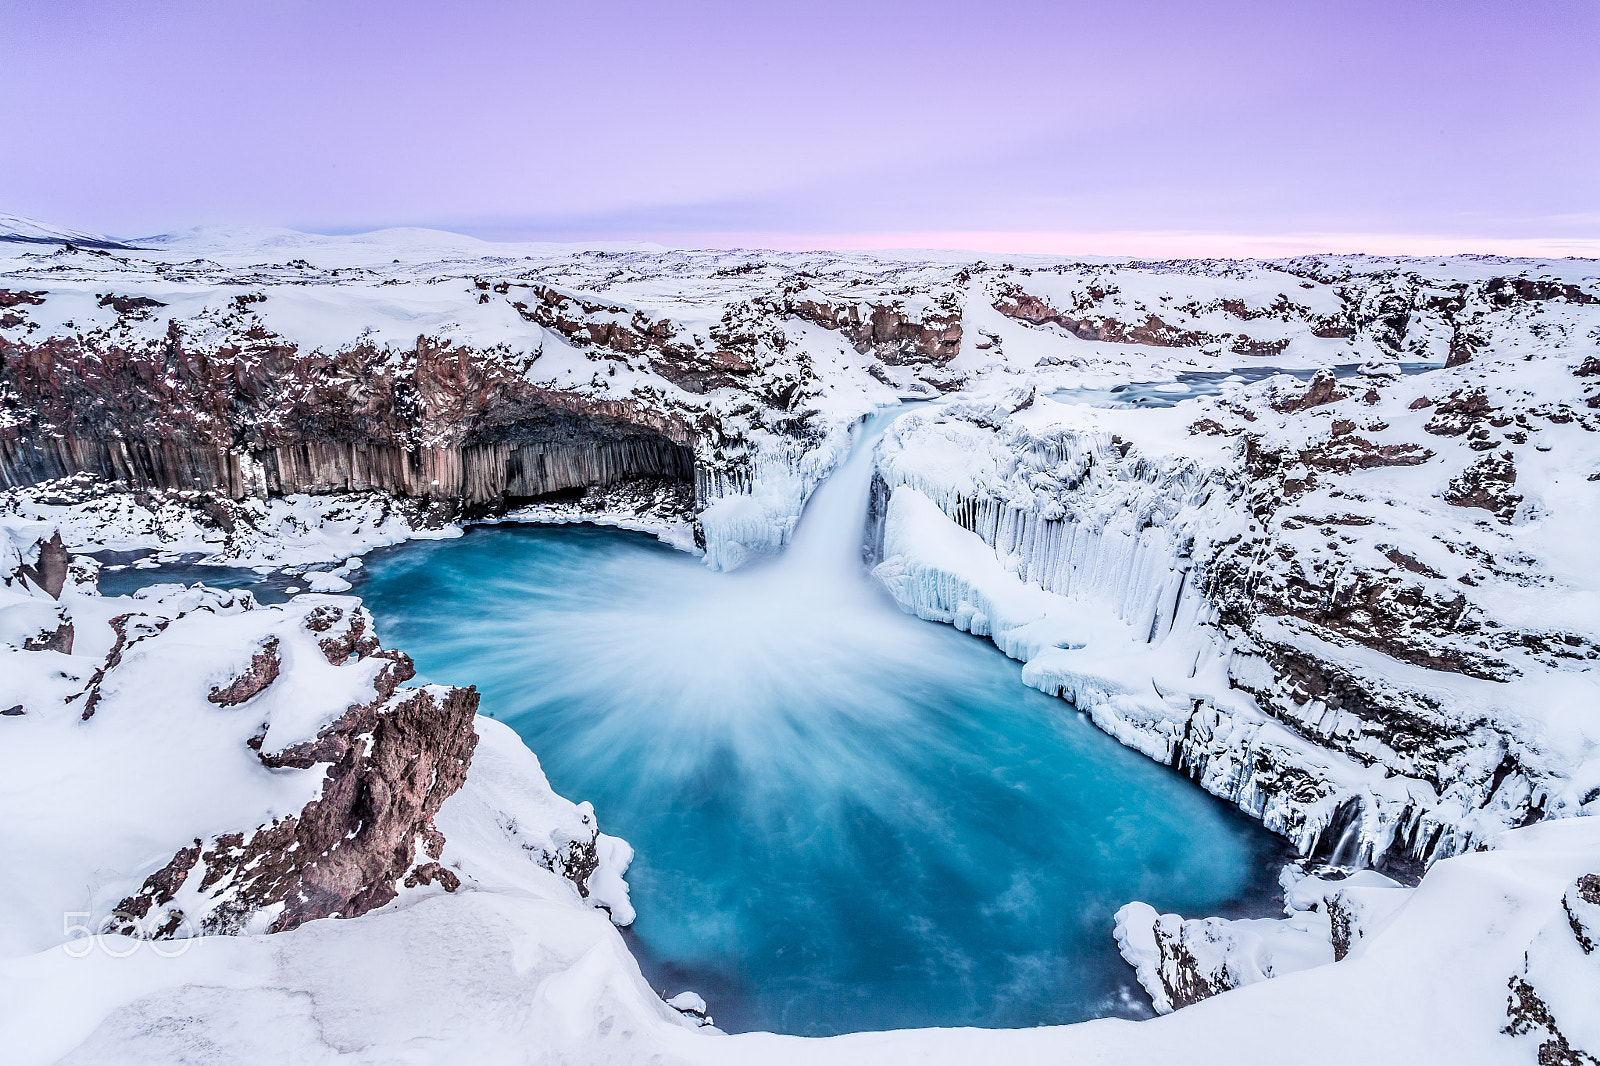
<point x="440" y="421"/>
<point x="1358" y="604"/>
<point x="1404" y="691"/>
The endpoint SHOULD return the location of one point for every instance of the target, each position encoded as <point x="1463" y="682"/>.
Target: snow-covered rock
<point x="1282" y="591"/>
<point x="1182" y="961"/>
<point x="273" y="754"/>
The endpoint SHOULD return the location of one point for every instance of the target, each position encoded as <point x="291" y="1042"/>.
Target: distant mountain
<point x="28" y="231"/>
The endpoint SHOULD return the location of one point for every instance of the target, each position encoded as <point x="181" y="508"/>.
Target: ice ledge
<point x="1170" y="699"/>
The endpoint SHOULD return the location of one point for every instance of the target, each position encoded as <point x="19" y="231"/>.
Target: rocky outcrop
<point x="1019" y="304"/>
<point x="389" y="765"/>
<point x="262" y="671"/>
<point x="888" y="330"/>
<point x="1487" y="484"/>
<point x="1181" y="961"/>
<point x="49" y="570"/>
<point x="470" y="383"/>
<point x="585" y="323"/>
<point x="1551" y="999"/>
<point x="380" y="767"/>
<point x="550" y="376"/>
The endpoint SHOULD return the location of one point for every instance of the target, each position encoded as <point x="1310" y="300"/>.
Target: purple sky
<point x="1144" y="127"/>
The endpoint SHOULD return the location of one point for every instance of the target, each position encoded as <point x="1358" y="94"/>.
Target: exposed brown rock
<point x="1323" y="389"/>
<point x="17" y="297"/>
<point x="346" y="851"/>
<point x="1486" y="484"/>
<point x="1401" y="559"/>
<point x="1028" y="308"/>
<point x="1347" y="452"/>
<point x="50" y="572"/>
<point x="1582" y="906"/>
<point x="1507" y="291"/>
<point x="1528" y="1013"/>
<point x="353" y="639"/>
<point x="1185" y="981"/>
<point x="123" y="305"/>
<point x="1459" y="412"/>
<point x="58" y="639"/>
<point x="263" y="671"/>
<point x="457" y="424"/>
<point x="887" y="330"/>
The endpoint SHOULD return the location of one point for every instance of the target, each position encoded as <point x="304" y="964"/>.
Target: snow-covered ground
<point x="1363" y="609"/>
<point x="514" y="965"/>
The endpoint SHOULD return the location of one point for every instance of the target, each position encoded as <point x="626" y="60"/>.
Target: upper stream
<point x="845" y="818"/>
<point x="1191" y="383"/>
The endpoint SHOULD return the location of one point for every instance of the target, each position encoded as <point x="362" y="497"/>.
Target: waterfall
<point x="828" y="540"/>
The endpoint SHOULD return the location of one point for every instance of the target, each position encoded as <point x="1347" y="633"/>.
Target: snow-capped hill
<point x="240" y="244"/>
<point x="28" y="231"/>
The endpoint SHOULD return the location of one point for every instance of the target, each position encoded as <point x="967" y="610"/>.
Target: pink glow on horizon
<point x="1148" y="244"/>
<point x="1143" y="127"/>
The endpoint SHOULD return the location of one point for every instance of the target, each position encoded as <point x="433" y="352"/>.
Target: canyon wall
<point x="1330" y="638"/>
<point x="444" y="422"/>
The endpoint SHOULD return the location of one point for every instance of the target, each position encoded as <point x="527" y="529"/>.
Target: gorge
<point x="1350" y="601"/>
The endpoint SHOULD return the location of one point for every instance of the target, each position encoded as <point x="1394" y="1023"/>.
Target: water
<point x="127" y="578"/>
<point x="845" y="818"/>
<point x="1192" y="383"/>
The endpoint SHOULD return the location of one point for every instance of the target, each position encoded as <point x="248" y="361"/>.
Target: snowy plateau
<point x="1332" y="557"/>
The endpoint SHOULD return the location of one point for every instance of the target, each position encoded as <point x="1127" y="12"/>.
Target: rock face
<point x="468" y="383"/>
<point x="1182" y="961"/>
<point x="1511" y="902"/>
<point x="1551" y="999"/>
<point x="449" y="423"/>
<point x="887" y="330"/>
<point x="49" y="571"/>
<point x="389" y="766"/>
<point x="1321" y="565"/>
<point x="201" y="764"/>
<point x="380" y="766"/>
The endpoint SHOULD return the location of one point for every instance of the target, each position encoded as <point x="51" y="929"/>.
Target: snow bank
<point x="277" y="531"/>
<point x="179" y="716"/>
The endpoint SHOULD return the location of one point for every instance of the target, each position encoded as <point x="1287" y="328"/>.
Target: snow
<point x="516" y="959"/>
<point x="94" y="805"/>
<point x="279" y="531"/>
<point x="17" y="228"/>
<point x="1117" y="510"/>
<point x="1166" y="950"/>
<point x="1068" y="534"/>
